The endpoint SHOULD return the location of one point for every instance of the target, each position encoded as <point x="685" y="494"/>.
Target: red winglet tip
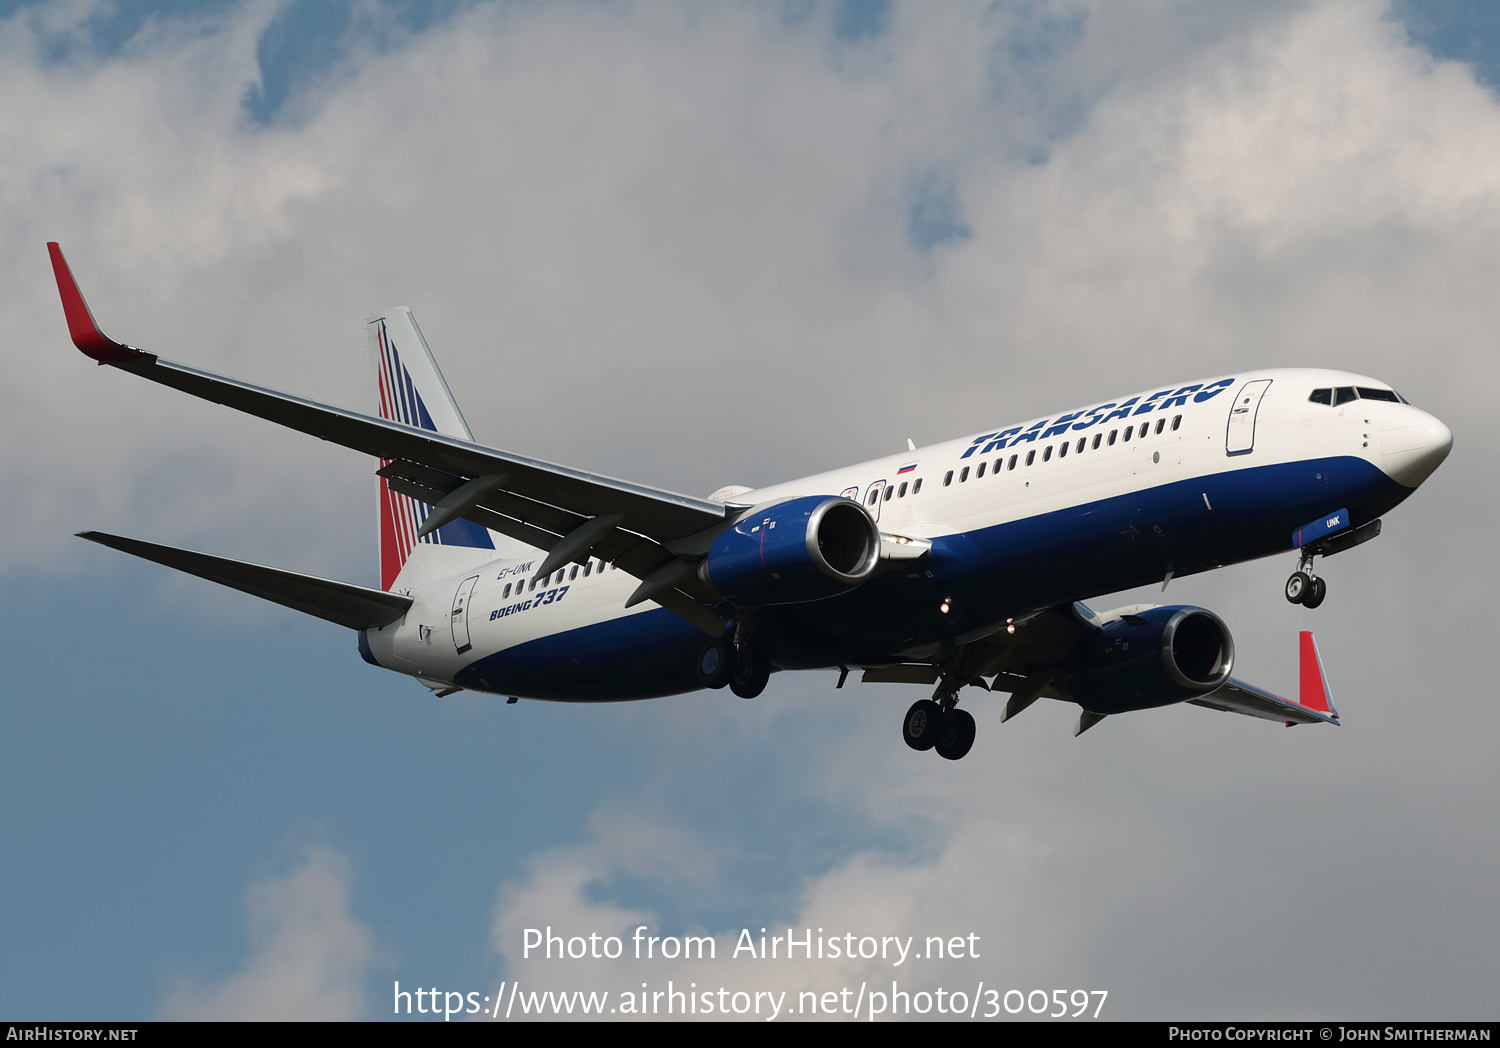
<point x="1313" y="691"/>
<point x="81" y="324"/>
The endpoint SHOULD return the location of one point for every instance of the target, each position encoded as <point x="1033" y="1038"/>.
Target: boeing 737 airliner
<point x="953" y="565"/>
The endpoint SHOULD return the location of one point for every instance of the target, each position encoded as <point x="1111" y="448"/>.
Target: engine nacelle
<point x="788" y="552"/>
<point x="1150" y="657"/>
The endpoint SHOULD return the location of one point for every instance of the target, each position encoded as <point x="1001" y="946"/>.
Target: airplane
<point x="961" y="564"/>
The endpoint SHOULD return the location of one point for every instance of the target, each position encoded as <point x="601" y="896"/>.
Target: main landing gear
<point x="1303" y="587"/>
<point x="937" y="724"/>
<point x="743" y="669"/>
<point x="929" y="727"/>
<point x="751" y="672"/>
<point x="734" y="662"/>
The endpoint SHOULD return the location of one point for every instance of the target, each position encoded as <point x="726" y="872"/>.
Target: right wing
<point x="539" y="503"/>
<point x="1029" y="658"/>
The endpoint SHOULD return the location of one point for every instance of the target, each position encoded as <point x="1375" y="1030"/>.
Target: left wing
<point x="540" y="503"/>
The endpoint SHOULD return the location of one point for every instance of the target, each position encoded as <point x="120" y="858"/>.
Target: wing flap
<point x="357" y="607"/>
<point x="633" y="554"/>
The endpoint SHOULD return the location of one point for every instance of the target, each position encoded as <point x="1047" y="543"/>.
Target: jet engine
<point x="789" y="552"/>
<point x="1150" y="657"/>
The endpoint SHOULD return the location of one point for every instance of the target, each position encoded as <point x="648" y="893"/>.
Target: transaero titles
<point x="1080" y="420"/>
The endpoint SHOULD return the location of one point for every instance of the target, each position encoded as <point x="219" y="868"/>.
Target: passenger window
<point x="917" y="486"/>
<point x="963" y="476"/>
<point x="1047" y="455"/>
<point x="890" y="492"/>
<point x="1062" y="449"/>
<point x="1322" y="396"/>
<point x="572" y="574"/>
<point x="1128" y="430"/>
<point x="874" y="494"/>
<point x="588" y="566"/>
<point x="1030" y="456"/>
<point x="507" y="591"/>
<point x="1161" y="424"/>
<point x="1013" y="462"/>
<point x="533" y="584"/>
<point x="1177" y="421"/>
<point x="1112" y="437"/>
<point x="948" y="479"/>
<point x="1342" y="395"/>
<point x="980" y="471"/>
<point x="1081" y="442"/>
<point x="902" y="493"/>
<point x="1097" y="437"/>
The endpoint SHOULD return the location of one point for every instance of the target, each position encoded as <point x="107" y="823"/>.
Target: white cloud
<point x="309" y="957"/>
<point x="672" y="245"/>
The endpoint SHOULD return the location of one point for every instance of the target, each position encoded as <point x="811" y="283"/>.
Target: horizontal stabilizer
<point x="358" y="607"/>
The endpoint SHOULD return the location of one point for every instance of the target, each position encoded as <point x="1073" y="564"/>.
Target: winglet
<point x="81" y="323"/>
<point x="1314" y="692"/>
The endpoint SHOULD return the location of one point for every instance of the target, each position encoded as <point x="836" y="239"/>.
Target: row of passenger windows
<point x="559" y="576"/>
<point x="1062" y="449"/>
<point x="1344" y="394"/>
<point x="893" y="492"/>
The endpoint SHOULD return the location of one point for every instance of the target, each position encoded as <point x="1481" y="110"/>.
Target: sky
<point x="694" y="246"/>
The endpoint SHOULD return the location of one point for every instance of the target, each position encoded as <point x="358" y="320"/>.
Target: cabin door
<point x="460" y="618"/>
<point x="1239" y="434"/>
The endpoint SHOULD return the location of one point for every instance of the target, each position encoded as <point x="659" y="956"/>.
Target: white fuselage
<point x="937" y="492"/>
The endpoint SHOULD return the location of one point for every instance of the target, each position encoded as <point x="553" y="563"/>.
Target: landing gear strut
<point x="1303" y="587"/>
<point x="748" y="668"/>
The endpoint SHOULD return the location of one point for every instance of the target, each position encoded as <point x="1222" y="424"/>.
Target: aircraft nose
<point x="1415" y="443"/>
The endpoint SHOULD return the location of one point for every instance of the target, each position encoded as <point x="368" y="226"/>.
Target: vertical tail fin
<point x="410" y="389"/>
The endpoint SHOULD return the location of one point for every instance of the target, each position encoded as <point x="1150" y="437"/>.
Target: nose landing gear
<point x="1303" y="587"/>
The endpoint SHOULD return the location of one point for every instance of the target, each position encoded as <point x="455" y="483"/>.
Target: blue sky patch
<point x="935" y="214"/>
<point x="1455" y="30"/>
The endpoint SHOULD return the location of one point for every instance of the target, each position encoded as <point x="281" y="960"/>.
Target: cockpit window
<point x="1344" y="394"/>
